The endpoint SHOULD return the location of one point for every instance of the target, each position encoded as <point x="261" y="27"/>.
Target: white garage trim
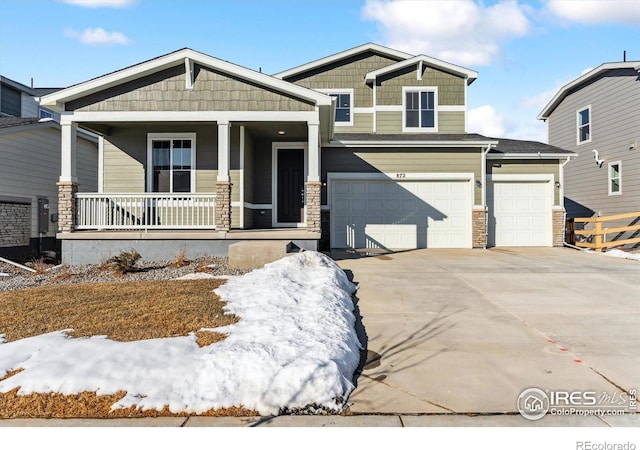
<point x="378" y="231"/>
<point x="507" y="236"/>
<point x="522" y="177"/>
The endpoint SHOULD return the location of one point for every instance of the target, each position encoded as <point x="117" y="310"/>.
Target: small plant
<point x="124" y="262"/>
<point x="64" y="274"/>
<point x="39" y="265"/>
<point x="180" y="260"/>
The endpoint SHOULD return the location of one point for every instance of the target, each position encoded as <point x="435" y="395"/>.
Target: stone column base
<point x="313" y="206"/>
<point x="558" y="227"/>
<point x="223" y="205"/>
<point x="67" y="206"/>
<point x="479" y="228"/>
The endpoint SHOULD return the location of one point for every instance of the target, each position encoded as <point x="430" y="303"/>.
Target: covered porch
<point x="195" y="176"/>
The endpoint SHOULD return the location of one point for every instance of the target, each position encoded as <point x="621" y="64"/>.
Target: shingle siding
<point x="348" y="73"/>
<point x="450" y="87"/>
<point x="165" y="91"/>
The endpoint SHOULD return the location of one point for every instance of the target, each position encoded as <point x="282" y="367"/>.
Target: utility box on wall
<point x="43" y="215"/>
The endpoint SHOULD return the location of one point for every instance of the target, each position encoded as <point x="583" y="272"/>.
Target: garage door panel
<point x="519" y="213"/>
<point x="407" y="214"/>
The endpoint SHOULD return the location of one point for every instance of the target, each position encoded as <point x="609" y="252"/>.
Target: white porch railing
<point x="145" y="211"/>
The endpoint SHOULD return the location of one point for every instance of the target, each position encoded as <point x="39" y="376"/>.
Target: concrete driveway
<point x="466" y="331"/>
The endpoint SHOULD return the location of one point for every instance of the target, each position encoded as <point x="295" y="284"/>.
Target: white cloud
<point x="538" y="101"/>
<point x="597" y="11"/>
<point x="101" y="3"/>
<point x="98" y="36"/>
<point x="486" y="120"/>
<point x="465" y="32"/>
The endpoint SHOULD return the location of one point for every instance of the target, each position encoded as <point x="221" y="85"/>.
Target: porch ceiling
<point x="293" y="131"/>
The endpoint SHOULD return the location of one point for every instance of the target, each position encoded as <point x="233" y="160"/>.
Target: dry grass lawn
<point x="125" y="311"/>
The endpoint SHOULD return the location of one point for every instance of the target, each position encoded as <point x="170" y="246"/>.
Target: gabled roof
<point x="516" y="147"/>
<point x="368" y="47"/>
<point x="469" y="75"/>
<point x="183" y="56"/>
<point x="500" y="147"/>
<point x="36" y="91"/>
<point x="10" y="122"/>
<point x="9" y="125"/>
<point x="578" y="82"/>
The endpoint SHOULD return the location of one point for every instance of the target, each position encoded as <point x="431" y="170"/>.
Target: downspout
<point x="564" y="215"/>
<point x="375" y="107"/>
<point x="483" y="176"/>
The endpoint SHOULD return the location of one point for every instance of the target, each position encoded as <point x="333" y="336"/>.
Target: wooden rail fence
<point x="596" y="238"/>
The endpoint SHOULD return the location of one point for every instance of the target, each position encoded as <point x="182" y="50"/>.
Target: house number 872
<point x="401" y="175"/>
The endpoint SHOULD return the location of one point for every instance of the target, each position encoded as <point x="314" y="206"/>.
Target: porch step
<point x="255" y="254"/>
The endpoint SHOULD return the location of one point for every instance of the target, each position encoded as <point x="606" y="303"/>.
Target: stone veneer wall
<point x="66" y="206"/>
<point x="479" y="226"/>
<point x="313" y="206"/>
<point x="223" y="206"/>
<point x="15" y="224"/>
<point x="558" y="227"/>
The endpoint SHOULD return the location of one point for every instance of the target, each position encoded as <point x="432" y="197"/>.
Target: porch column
<point x="223" y="183"/>
<point x="68" y="183"/>
<point x="313" y="184"/>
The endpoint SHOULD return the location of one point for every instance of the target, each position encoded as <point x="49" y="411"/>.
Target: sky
<point x="523" y="51"/>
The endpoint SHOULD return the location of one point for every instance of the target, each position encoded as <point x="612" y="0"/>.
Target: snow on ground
<point x="620" y="254"/>
<point x="615" y="253"/>
<point x="295" y="345"/>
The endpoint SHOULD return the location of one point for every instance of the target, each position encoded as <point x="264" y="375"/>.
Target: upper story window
<point x="44" y="114"/>
<point x="584" y="125"/>
<point x="615" y="178"/>
<point x="420" y="109"/>
<point x="171" y="161"/>
<point x="344" y="105"/>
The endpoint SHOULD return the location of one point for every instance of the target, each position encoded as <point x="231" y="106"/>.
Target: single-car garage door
<point x="520" y="213"/>
<point x="385" y="213"/>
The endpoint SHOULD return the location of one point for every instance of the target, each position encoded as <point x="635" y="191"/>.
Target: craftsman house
<point x="367" y="148"/>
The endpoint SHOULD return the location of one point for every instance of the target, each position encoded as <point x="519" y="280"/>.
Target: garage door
<point x="400" y="215"/>
<point x="519" y="214"/>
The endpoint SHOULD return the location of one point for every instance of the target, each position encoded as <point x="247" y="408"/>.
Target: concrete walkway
<point x="391" y="420"/>
<point x="466" y="331"/>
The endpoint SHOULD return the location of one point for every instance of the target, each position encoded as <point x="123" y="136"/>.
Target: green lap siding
<point x="402" y="161"/>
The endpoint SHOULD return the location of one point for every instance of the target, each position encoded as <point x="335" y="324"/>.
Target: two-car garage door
<point x="400" y="214"/>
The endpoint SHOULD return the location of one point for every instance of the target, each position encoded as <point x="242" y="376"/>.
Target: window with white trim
<point x="344" y="105"/>
<point x="420" y="109"/>
<point x="615" y="178"/>
<point x="171" y="163"/>
<point x="45" y="114"/>
<point x="584" y="125"/>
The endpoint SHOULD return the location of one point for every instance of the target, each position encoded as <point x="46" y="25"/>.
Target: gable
<point x="166" y="91"/>
<point x="346" y="73"/>
<point x="451" y="88"/>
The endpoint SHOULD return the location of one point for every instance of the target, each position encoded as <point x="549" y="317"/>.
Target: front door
<point x="290" y="185"/>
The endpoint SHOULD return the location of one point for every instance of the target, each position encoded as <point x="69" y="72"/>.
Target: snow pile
<point x="294" y="346"/>
<point x="615" y="253"/>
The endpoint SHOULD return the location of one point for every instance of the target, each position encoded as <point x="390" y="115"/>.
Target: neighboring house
<point x="598" y="116"/>
<point x="367" y="148"/>
<point x="19" y="100"/>
<point x="29" y="171"/>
